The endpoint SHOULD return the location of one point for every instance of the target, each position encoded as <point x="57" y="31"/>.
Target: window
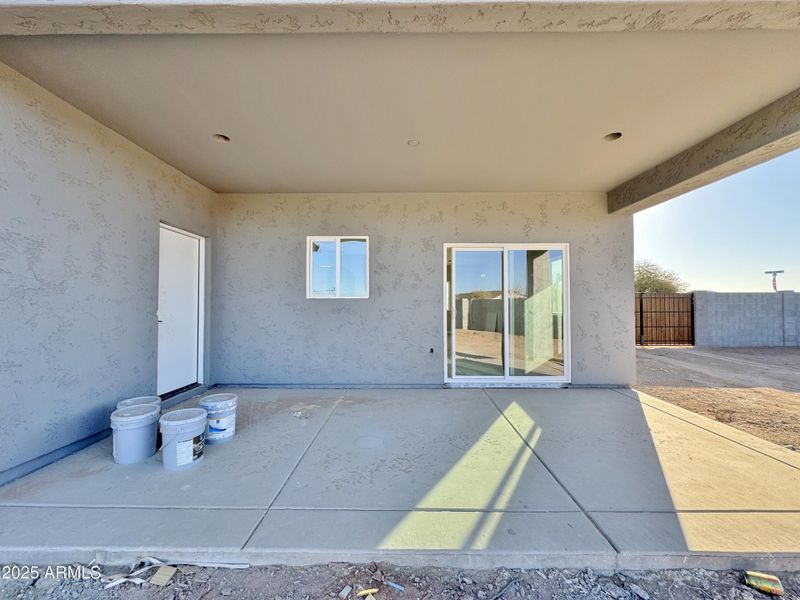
<point x="337" y="267"/>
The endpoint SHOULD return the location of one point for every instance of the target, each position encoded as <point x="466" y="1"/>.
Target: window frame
<point x="310" y="295"/>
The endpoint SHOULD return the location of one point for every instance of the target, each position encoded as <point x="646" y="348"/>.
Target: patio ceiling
<point x="491" y="112"/>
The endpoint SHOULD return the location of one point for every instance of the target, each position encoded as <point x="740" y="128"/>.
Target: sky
<point x="723" y="237"/>
<point x="482" y="270"/>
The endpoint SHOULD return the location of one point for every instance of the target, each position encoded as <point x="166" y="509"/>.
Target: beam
<point x="769" y="132"/>
<point x="40" y="17"/>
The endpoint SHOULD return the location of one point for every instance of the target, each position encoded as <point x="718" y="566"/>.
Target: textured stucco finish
<point x="80" y="211"/>
<point x="747" y="319"/>
<point x="760" y="136"/>
<point x="266" y="331"/>
<point x="32" y="17"/>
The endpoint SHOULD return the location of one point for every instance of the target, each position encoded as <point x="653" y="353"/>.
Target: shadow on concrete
<point x="472" y="477"/>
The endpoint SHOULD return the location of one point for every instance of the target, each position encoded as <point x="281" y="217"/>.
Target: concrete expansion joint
<point x="294" y="468"/>
<point x="553" y="475"/>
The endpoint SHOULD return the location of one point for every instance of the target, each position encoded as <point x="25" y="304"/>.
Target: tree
<point x="649" y="277"/>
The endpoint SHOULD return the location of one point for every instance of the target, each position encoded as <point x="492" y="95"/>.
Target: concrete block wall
<point x="746" y="319"/>
<point x="791" y="318"/>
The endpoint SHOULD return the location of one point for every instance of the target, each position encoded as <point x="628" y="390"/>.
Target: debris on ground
<point x="763" y="582"/>
<point x="368" y="592"/>
<point x="504" y="589"/>
<point x="163" y="575"/>
<point x="396" y="586"/>
<point x="343" y="581"/>
<point x="639" y="591"/>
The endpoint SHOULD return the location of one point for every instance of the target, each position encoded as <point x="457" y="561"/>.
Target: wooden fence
<point x="664" y="319"/>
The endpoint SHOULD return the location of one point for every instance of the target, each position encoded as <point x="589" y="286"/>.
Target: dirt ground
<point x="327" y="581"/>
<point x="753" y="389"/>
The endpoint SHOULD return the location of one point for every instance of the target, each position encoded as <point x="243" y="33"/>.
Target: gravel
<point x="327" y="581"/>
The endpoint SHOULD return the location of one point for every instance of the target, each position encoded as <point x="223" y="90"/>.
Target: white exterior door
<point x="179" y="278"/>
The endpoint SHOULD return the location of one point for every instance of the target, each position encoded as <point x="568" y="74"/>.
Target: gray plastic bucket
<point x="184" y="436"/>
<point x="221" y="410"/>
<point x="154" y="400"/>
<point x="134" y="433"/>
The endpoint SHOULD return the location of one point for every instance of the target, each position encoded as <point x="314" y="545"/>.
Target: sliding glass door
<point x="506" y="313"/>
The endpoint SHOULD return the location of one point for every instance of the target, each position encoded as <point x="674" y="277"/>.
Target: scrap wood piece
<point x="763" y="582"/>
<point x="163" y="575"/>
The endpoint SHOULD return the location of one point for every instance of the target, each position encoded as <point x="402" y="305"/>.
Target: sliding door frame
<point x="505" y="380"/>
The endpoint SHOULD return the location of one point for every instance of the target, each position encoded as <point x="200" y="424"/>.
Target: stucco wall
<point x="266" y="331"/>
<point x="80" y="209"/>
<point x="747" y="319"/>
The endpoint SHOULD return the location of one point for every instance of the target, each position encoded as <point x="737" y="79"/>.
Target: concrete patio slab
<point x="708" y="472"/>
<point x="723" y="539"/>
<point x="597" y="478"/>
<point x="38" y="535"/>
<point x="430" y="449"/>
<point x="431" y="537"/>
<point x="273" y="429"/>
<point x="620" y="454"/>
<point x="598" y="443"/>
<point x="721" y="429"/>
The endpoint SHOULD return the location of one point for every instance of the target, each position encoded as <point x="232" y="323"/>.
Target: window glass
<point x="353" y="257"/>
<point x="535" y="312"/>
<point x="323" y="268"/>
<point x="337" y="267"/>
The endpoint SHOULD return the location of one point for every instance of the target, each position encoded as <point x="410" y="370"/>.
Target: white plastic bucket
<point x="184" y="436"/>
<point x="221" y="424"/>
<point x="134" y="433"/>
<point x="154" y="400"/>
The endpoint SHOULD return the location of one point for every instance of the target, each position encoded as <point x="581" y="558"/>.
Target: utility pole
<point x="774" y="279"/>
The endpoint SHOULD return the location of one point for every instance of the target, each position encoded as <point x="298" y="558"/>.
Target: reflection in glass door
<point x="535" y="313"/>
<point x="478" y="301"/>
<point x="507" y="313"/>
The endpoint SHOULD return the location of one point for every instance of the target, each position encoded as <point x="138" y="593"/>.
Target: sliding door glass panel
<point x="478" y="280"/>
<point x="535" y="313"/>
<point x="323" y="268"/>
<point x="353" y="277"/>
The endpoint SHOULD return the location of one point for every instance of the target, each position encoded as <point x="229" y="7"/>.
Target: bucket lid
<point x="154" y="400"/>
<point x="135" y="416"/>
<point x="219" y="401"/>
<point x="177" y="419"/>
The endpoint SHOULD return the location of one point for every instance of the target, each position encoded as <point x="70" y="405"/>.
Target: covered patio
<point x="606" y="478"/>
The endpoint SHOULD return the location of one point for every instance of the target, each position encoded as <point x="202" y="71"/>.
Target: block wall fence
<point x="747" y="319"/>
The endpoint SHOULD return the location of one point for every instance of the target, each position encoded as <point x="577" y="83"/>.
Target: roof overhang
<point x="443" y="16"/>
<point x="756" y="135"/>
<point x="760" y="136"/>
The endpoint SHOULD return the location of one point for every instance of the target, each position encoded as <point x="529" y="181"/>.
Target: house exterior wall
<point x="266" y="332"/>
<point x="80" y="208"/>
<point x="747" y="319"/>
